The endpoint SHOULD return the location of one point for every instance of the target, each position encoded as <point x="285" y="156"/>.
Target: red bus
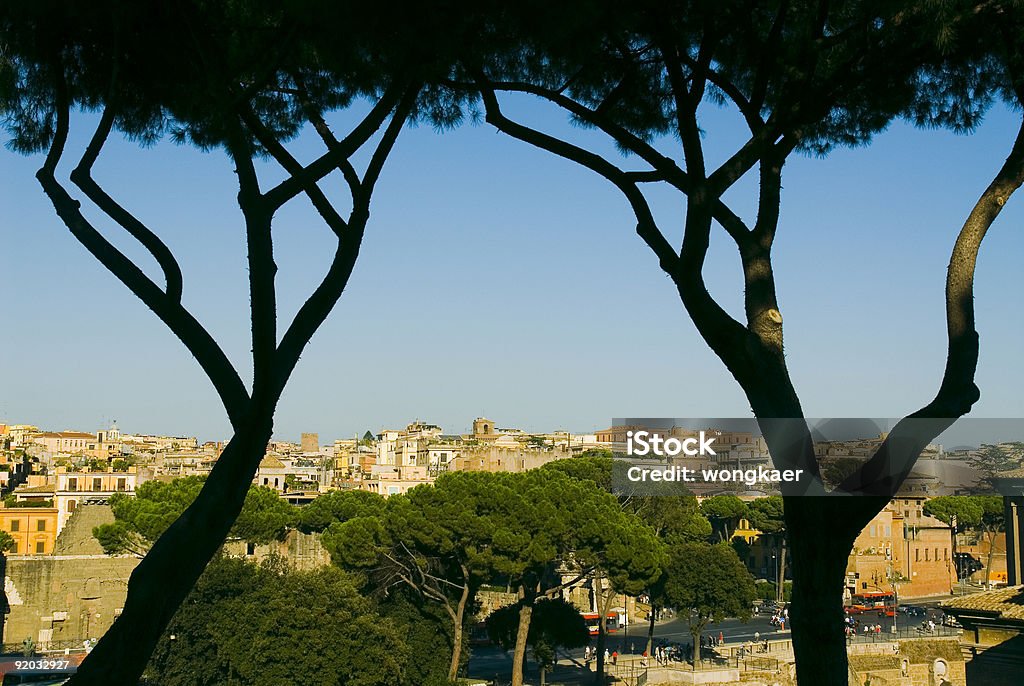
<point x="862" y="603"/>
<point x="611" y="622"/>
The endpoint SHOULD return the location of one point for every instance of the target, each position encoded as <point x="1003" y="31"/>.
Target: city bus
<point x="611" y="622"/>
<point x="882" y="602"/>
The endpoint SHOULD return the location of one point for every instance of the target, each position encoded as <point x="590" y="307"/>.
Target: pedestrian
<point x="607" y="655"/>
<point x="757" y="637"/>
<point x="615" y="657"/>
<point x="765" y="645"/>
<point x="721" y="636"/>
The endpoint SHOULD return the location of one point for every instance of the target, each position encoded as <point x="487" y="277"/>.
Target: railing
<point x="756" y="663"/>
<point x="47" y="648"/>
<point x="907" y="632"/>
<point x="631" y="673"/>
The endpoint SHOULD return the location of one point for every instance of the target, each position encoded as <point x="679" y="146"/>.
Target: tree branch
<point x="260" y="254"/>
<point x="82" y="177"/>
<point x="646" y="226"/>
<point x="329" y="161"/>
<point x="889" y="466"/>
<point x="180" y="321"/>
<point x="320" y="303"/>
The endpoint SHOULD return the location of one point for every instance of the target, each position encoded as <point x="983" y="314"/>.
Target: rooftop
<point x="1004" y="603"/>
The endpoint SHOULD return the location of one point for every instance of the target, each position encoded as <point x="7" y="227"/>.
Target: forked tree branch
<point x="345" y="148"/>
<point x="260" y="256"/>
<point x="323" y="299"/>
<point x="895" y="457"/>
<point x="180" y="321"/>
<point x="647" y="228"/>
<point x="82" y="177"/>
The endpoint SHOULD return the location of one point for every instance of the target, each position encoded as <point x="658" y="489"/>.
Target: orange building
<point x="34" y="529"/>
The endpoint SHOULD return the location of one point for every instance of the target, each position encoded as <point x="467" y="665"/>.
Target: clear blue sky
<point x="497" y="280"/>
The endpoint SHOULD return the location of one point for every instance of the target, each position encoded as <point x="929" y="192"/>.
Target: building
<point x="34" y="529"/>
<point x="903" y="548"/>
<point x="310" y="442"/>
<point x="64" y="442"/>
<point x="993" y="637"/>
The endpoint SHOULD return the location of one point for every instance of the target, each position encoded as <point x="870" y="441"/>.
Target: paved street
<point x="489" y="661"/>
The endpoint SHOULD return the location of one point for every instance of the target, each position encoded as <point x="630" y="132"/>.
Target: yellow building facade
<point x="34" y="529"/>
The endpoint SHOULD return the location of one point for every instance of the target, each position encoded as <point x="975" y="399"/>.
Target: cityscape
<point x="366" y="284"/>
<point x="66" y="573"/>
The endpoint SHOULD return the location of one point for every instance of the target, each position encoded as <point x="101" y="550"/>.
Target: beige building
<point x="34" y="529"/>
<point x="904" y="547"/>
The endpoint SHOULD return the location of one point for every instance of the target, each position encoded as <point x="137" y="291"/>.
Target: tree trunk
<point x="522" y="633"/>
<point x="460" y="619"/>
<point x="991" y="535"/>
<point x="650" y="631"/>
<point x="820" y="547"/>
<point x="165" y="576"/>
<point x="695" y="632"/>
<point x="781" y="591"/>
<point x="604" y="602"/>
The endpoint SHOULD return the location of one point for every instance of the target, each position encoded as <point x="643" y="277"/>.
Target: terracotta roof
<point x="66" y="434"/>
<point x="45" y="488"/>
<point x="271" y="462"/>
<point x="1007" y="603"/>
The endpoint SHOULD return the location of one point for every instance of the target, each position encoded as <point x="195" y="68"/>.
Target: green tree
<point x="339" y="506"/>
<point x="767" y="515"/>
<point x="711" y="583"/>
<point x="724" y="512"/>
<point x="242" y="78"/>
<point x="436" y="541"/>
<point x="554" y="624"/>
<point x="261" y="624"/>
<point x="981" y="513"/>
<point x="140" y="519"/>
<point x="991" y="460"/>
<point x="121" y="464"/>
<point x="674" y="518"/>
<point x="804" y="78"/>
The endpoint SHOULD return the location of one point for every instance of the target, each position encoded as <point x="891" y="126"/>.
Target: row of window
<point x="16" y="525"/>
<point x="97" y="484"/>
<point x="40" y="548"/>
<point x="917" y="554"/>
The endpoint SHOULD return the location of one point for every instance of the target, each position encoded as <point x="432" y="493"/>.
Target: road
<point x="489" y="661"/>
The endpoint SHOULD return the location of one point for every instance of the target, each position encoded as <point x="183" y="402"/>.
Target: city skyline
<point x="496" y="280"/>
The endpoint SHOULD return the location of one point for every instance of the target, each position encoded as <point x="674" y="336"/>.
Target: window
<point x="122" y="484"/>
<point x="97" y="484"/>
<point x="72" y="504"/>
<point x="41" y="525"/>
<point x="874" y="531"/>
<point x="917" y="554"/>
<point x="14" y="550"/>
<point x="926" y="555"/>
<point x="73" y="484"/>
<point x="40" y="546"/>
<point x="15" y="525"/>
